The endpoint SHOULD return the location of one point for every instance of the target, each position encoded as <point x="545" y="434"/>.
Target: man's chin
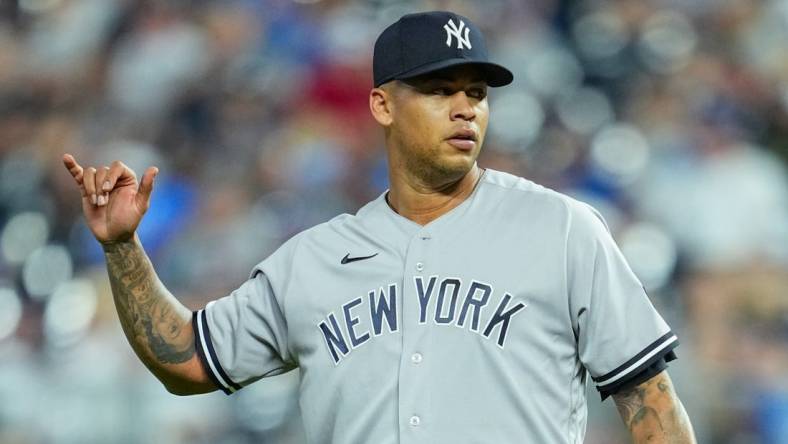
<point x="454" y="167"/>
<point x="444" y="165"/>
<point x="459" y="160"/>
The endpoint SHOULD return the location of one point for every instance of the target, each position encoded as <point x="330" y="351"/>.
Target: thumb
<point x="146" y="187"/>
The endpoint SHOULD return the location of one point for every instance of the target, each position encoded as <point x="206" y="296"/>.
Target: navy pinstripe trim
<point x="633" y="379"/>
<point x="208" y="354"/>
<point x="201" y="354"/>
<point x="640" y="361"/>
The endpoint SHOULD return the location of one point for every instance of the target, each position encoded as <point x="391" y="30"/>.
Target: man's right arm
<point x="157" y="325"/>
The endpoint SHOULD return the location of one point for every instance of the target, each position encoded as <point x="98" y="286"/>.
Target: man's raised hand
<point x="112" y="201"/>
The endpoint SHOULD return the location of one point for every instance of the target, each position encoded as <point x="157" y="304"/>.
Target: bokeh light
<point x="600" y="35"/>
<point x="69" y="312"/>
<point x="651" y="253"/>
<point x="518" y="120"/>
<point x="620" y="152"/>
<point x="585" y="110"/>
<point x="24" y="233"/>
<point x="45" y="269"/>
<point x="553" y="71"/>
<point x="667" y="42"/>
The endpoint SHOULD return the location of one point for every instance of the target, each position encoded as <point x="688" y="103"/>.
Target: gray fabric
<point x="507" y="299"/>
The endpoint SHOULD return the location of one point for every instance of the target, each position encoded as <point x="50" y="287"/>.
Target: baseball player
<point x="463" y="305"/>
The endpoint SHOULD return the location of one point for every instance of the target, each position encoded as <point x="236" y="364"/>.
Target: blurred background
<point x="669" y="116"/>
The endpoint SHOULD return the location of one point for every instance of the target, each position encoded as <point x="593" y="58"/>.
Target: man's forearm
<point x="155" y="323"/>
<point x="653" y="413"/>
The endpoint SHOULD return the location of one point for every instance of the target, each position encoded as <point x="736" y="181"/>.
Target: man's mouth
<point x="464" y="139"/>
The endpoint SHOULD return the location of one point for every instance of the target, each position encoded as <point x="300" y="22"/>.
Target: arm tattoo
<point x="151" y="317"/>
<point x="634" y="410"/>
<point x="653" y="413"/>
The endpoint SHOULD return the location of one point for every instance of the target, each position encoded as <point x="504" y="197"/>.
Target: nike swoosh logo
<point x="347" y="259"/>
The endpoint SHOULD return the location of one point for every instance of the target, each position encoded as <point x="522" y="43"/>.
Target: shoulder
<point x="515" y="192"/>
<point x="521" y="190"/>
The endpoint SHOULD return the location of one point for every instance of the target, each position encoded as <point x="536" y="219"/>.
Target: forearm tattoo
<point x="634" y="411"/>
<point x="653" y="413"/>
<point x="151" y="318"/>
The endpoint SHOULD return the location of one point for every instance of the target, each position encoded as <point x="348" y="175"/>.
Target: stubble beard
<point x="432" y="167"/>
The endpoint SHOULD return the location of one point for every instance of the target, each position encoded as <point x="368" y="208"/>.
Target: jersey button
<point x="419" y="266"/>
<point x="414" y="420"/>
<point x="416" y="358"/>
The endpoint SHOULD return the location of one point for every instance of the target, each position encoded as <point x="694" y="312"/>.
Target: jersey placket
<point x="414" y="395"/>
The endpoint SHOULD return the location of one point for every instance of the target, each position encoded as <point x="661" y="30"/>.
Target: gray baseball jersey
<point x="479" y="327"/>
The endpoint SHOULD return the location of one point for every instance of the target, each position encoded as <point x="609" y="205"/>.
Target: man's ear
<point x="380" y="104"/>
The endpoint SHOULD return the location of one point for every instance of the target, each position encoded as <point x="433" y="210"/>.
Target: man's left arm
<point x="653" y="412"/>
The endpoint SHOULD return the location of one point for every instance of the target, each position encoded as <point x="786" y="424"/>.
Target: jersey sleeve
<point x="242" y="337"/>
<point x="621" y="338"/>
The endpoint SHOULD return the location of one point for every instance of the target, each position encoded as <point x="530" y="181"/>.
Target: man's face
<point x="438" y="121"/>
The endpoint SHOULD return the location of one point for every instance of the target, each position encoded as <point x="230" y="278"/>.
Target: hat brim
<point x="495" y="75"/>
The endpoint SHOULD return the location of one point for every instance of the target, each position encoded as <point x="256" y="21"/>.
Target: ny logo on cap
<point x="453" y="30"/>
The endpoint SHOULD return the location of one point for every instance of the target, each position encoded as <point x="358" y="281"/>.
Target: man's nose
<point x="462" y="107"/>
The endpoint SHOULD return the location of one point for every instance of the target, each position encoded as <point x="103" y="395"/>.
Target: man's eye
<point x="441" y="91"/>
<point x="477" y="93"/>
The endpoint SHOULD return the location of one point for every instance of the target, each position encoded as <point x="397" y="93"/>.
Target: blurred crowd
<point x="669" y="116"/>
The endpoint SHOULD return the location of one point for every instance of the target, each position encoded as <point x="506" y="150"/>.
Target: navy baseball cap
<point x="424" y="42"/>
